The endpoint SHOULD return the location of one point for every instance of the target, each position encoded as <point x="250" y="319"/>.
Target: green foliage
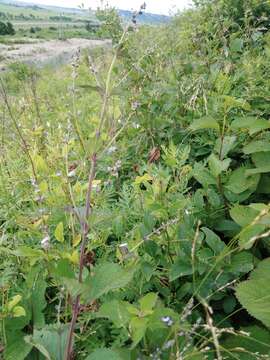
<point x="6" y="28"/>
<point x="253" y="294"/>
<point x="175" y="123"/>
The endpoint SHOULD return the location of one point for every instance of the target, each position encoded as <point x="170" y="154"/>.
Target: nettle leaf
<point x="107" y="277"/>
<point x="203" y="175"/>
<point x="244" y="347"/>
<point x="237" y="45"/>
<point x="217" y="166"/>
<point x="252" y="124"/>
<point x="116" y="311"/>
<point x="148" y="302"/>
<point x="204" y="123"/>
<point x="256" y="146"/>
<point x="50" y="341"/>
<point x="254" y="294"/>
<point x="239" y="181"/>
<point x="105" y="354"/>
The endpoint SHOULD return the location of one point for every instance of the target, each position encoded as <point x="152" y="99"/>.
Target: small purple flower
<point x="167" y="320"/>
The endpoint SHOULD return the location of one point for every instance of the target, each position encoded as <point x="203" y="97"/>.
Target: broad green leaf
<point x="138" y="328"/>
<point x="237" y="45"/>
<point x="261" y="159"/>
<point x="254" y="294"/>
<point x="213" y="241"/>
<point x="59" y="232"/>
<point x="243" y="215"/>
<point x="36" y="302"/>
<point x="16" y="347"/>
<point x="204" y="123"/>
<point x="181" y="267"/>
<point x="252" y="124"/>
<point x="239" y="182"/>
<point x="218" y="166"/>
<point x="249" y="235"/>
<point x="25" y="251"/>
<point x="116" y="311"/>
<point x="244" y="347"/>
<point x="107" y="277"/>
<point x="257" y="146"/>
<point x="148" y="302"/>
<point x="104" y="354"/>
<point x="241" y="263"/>
<point x="50" y="341"/>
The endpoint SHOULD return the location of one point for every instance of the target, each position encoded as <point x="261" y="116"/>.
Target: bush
<point x="6" y="28"/>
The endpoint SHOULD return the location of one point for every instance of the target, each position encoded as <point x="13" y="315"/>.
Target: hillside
<point x="43" y="12"/>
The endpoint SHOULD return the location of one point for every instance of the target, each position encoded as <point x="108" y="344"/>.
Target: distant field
<point x="35" y="22"/>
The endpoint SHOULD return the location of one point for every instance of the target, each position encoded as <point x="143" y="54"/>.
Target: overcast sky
<point x="155" y="6"/>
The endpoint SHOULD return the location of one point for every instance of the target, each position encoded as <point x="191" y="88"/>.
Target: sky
<point x="154" y="6"/>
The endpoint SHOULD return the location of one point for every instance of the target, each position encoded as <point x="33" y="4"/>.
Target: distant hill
<point x="146" y="18"/>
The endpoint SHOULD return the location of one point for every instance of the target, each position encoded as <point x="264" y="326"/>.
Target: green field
<point x="41" y="23"/>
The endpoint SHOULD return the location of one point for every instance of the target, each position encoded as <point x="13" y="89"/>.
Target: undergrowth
<point x="134" y="198"/>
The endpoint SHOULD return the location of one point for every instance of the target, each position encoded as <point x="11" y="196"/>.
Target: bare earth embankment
<point x="53" y="52"/>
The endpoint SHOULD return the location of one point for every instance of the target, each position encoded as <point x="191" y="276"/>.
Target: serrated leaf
<point x="254" y="294"/>
<point x="138" y="328"/>
<point x="107" y="277"/>
<point x="218" y="166"/>
<point x="148" y="302"/>
<point x="204" y="123"/>
<point x="116" y="311"/>
<point x="203" y="175"/>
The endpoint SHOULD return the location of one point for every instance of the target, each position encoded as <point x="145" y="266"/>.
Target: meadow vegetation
<point x="134" y="195"/>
